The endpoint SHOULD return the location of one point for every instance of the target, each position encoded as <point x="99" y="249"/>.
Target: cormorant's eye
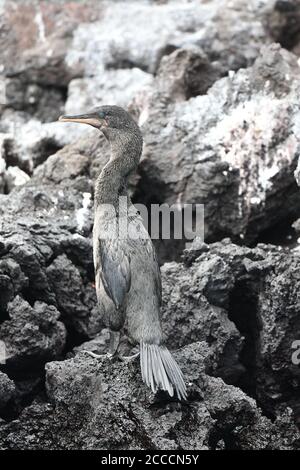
<point x="101" y="114"/>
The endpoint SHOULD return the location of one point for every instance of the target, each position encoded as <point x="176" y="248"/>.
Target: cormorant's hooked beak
<point x="91" y="118"/>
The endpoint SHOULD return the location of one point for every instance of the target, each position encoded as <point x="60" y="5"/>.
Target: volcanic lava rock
<point x="218" y="295"/>
<point x="97" y="405"/>
<point x="37" y="35"/>
<point x="15" y="177"/>
<point x="57" y="69"/>
<point x="75" y="300"/>
<point x="229" y="312"/>
<point x="111" y="86"/>
<point x="45" y="233"/>
<point x="34" y="85"/>
<point x="278" y="378"/>
<point x="245" y="189"/>
<point x="258" y="288"/>
<point x="282" y="23"/>
<point x="234" y="149"/>
<point x="194" y="309"/>
<point x="190" y="73"/>
<point x="199" y="166"/>
<point x="45" y="238"/>
<point x="32" y="335"/>
<point x="7" y="390"/>
<point x="225" y="298"/>
<point x="2" y="175"/>
<point x="217" y="27"/>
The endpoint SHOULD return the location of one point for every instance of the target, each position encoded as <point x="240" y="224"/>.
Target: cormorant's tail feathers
<point x="160" y="370"/>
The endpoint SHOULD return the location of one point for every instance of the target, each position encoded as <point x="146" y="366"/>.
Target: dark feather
<point x="161" y="371"/>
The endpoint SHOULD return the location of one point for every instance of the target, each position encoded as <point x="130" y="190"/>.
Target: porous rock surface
<point x="99" y="405"/>
<point x="220" y="312"/>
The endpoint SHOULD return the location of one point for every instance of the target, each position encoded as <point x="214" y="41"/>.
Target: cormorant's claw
<point x="129" y="358"/>
<point x="110" y="356"/>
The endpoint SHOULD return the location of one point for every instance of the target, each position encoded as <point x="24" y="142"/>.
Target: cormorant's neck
<point x="112" y="182"/>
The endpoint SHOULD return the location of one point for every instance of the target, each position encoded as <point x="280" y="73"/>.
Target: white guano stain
<point x="83" y="212"/>
<point x="41" y="25"/>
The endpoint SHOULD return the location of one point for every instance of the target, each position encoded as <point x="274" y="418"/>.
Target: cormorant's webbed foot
<point x="128" y="358"/>
<point x="96" y="356"/>
<point x="115" y="356"/>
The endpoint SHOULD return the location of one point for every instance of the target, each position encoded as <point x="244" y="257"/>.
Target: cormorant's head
<point x="111" y="120"/>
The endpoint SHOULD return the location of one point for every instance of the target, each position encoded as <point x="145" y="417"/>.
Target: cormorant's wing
<point x="145" y="244"/>
<point x="115" y="270"/>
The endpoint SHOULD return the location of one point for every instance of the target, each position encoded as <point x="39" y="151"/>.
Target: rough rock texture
<point x="283" y="24"/>
<point x="31" y="335"/>
<point x="37" y="35"/>
<point x="234" y="149"/>
<point x="34" y="249"/>
<point x="219" y="28"/>
<point x="243" y="303"/>
<point x="209" y="163"/>
<point x="190" y="73"/>
<point x="219" y="296"/>
<point x="278" y="377"/>
<point x="2" y="175"/>
<point x="7" y="390"/>
<point x="220" y="117"/>
<point x="15" y="177"/>
<point x="57" y="67"/>
<point x="114" y="86"/>
<point x="202" y="291"/>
